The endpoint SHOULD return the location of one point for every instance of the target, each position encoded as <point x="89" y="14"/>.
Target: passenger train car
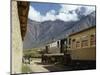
<point x="82" y="45"/>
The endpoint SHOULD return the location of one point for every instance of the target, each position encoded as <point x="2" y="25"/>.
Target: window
<point x="77" y="44"/>
<point x="93" y="39"/>
<point x="73" y="43"/>
<point x="84" y="42"/>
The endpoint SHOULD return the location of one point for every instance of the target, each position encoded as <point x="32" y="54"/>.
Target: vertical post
<point x="58" y="44"/>
<point x="61" y="46"/>
<point x="47" y="48"/>
<point x="23" y="8"/>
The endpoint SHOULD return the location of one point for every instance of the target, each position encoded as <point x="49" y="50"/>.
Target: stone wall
<point x="17" y="46"/>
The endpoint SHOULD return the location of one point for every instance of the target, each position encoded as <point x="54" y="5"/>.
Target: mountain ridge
<point x="40" y="33"/>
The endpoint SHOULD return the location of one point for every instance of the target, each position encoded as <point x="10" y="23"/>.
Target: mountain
<point x="41" y="33"/>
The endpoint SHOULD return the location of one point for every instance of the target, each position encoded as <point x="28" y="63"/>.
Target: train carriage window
<point x="84" y="42"/>
<point x="93" y="39"/>
<point x="73" y="43"/>
<point x="77" y="44"/>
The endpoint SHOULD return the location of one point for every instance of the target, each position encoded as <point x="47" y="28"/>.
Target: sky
<point x="52" y="11"/>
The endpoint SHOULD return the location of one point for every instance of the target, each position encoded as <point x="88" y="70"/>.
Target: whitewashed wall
<point x="54" y="44"/>
<point x="17" y="45"/>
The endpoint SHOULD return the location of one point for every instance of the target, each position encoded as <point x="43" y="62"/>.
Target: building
<point x="19" y="13"/>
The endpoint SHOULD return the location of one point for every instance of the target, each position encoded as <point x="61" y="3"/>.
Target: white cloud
<point x="34" y="15"/>
<point x="52" y="11"/>
<point x="66" y="8"/>
<point x="49" y="16"/>
<point x="64" y="13"/>
<point x="89" y="10"/>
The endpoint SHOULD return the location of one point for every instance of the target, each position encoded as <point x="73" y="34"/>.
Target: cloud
<point x="49" y="16"/>
<point x="65" y="13"/>
<point x="89" y="9"/>
<point x="34" y="15"/>
<point x="66" y="8"/>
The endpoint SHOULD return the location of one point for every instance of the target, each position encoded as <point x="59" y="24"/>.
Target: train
<point x="80" y="47"/>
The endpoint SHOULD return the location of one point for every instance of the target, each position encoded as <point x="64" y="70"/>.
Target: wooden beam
<point x="23" y="8"/>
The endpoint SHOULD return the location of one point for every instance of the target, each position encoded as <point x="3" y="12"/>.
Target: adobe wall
<point x="17" y="45"/>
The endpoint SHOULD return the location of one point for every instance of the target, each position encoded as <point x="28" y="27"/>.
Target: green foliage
<point x="32" y="53"/>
